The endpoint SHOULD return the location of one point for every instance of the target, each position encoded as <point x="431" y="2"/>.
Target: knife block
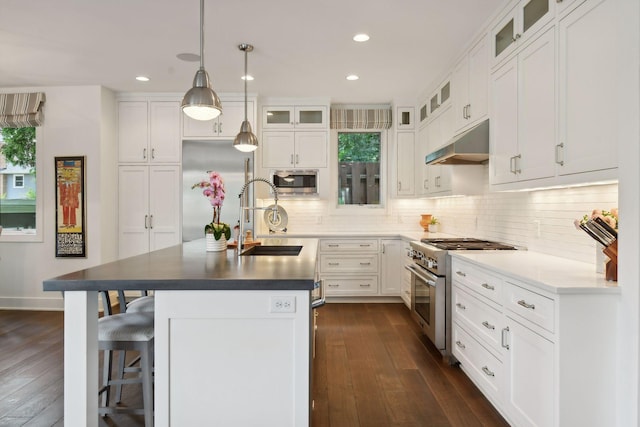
<point x="611" y="266"/>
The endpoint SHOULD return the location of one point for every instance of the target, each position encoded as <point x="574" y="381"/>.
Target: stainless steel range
<point x="431" y="284"/>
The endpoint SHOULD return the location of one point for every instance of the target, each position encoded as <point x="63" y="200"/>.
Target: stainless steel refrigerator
<point x="234" y="166"/>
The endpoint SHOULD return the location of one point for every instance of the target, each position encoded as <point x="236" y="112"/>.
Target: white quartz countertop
<point x="405" y="235"/>
<point x="547" y="272"/>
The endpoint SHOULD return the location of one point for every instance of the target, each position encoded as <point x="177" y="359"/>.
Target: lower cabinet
<point x="542" y="358"/>
<point x="356" y="267"/>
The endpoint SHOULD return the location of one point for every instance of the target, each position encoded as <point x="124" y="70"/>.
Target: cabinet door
<point x="232" y="117"/>
<point x="460" y="93"/>
<point x="405" y="159"/>
<point x="405" y="118"/>
<point x="311" y="149"/>
<point x="311" y="117"/>
<point x="278" y="149"/>
<point x="588" y="114"/>
<point x="192" y="128"/>
<point x="392" y="266"/>
<point x="165" y="144"/>
<point x="422" y="170"/>
<point x="504" y="123"/>
<point x="277" y="117"/>
<point x="530" y="391"/>
<point x="164" y="206"/>
<point x="478" y="86"/>
<point x="133" y="131"/>
<point x="133" y="210"/>
<point x="536" y="109"/>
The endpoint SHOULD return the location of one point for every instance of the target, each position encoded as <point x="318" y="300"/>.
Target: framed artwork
<point x="70" y="207"/>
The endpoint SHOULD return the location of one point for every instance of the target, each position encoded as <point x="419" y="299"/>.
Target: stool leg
<point x="106" y="376"/>
<point x="121" y="363"/>
<point x="146" y="365"/>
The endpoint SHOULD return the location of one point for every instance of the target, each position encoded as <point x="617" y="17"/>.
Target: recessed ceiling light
<point x="352" y="77"/>
<point x="248" y="77"/>
<point x="361" y="37"/>
<point x="142" y="78"/>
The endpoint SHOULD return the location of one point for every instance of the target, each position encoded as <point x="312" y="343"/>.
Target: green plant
<point x="434" y="220"/>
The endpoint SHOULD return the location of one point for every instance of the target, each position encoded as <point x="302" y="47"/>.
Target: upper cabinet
<point x="519" y="24"/>
<point x="225" y="126"/>
<point x="149" y="131"/>
<point x="588" y="132"/>
<point x="470" y="86"/>
<point x="294" y="117"/>
<point x="405" y="118"/>
<point x="440" y="98"/>
<point x="289" y="150"/>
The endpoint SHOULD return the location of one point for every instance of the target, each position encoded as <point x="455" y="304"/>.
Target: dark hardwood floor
<point x="373" y="367"/>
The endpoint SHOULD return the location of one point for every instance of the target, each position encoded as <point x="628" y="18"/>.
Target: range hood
<point x="467" y="148"/>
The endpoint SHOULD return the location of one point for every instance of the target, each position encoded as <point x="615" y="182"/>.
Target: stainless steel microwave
<point x="296" y="182"/>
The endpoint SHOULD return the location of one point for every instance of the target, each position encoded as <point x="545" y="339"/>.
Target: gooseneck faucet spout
<point x="244" y="208"/>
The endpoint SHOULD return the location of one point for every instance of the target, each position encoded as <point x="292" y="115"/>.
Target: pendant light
<point x="245" y="140"/>
<point x="201" y="102"/>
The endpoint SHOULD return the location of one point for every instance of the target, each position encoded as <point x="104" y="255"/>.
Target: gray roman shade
<point x="21" y="109"/>
<point x="360" y="118"/>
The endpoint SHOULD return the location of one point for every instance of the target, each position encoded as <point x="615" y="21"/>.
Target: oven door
<point x="427" y="303"/>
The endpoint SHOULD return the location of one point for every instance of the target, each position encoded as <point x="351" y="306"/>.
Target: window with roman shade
<point x="360" y="118"/>
<point x="21" y="109"/>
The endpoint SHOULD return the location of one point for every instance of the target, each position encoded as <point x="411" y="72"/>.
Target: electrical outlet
<point x="283" y="304"/>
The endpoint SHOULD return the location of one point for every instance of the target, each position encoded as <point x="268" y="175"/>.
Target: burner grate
<point x="469" y="244"/>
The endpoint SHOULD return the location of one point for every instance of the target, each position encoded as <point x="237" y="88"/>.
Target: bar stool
<point x="142" y="304"/>
<point x="127" y="332"/>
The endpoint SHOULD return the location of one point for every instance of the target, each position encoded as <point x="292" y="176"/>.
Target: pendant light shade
<point x="245" y="141"/>
<point x="201" y="102"/>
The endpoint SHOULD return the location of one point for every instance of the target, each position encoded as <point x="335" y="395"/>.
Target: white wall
<point x="79" y="121"/>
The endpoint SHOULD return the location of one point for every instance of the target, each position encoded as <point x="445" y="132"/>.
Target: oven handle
<point x="429" y="278"/>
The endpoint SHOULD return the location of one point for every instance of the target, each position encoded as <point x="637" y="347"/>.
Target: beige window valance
<point x="21" y="109"/>
<point x="353" y="118"/>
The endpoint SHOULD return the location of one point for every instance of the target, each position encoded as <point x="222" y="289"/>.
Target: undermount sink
<point x="267" y="250"/>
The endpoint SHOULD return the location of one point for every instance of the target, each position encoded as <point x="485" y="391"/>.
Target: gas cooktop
<point x="463" y="243"/>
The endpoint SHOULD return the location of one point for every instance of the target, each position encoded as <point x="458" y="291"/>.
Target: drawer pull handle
<point x="459" y="344"/>
<point x="365" y="285"/>
<point x="460" y="273"/>
<point x="488" y="325"/>
<point x="461" y="306"/>
<point x="487" y="371"/>
<point x="334" y="263"/>
<point x="365" y="245"/>
<point x="525" y="305"/>
<point x="365" y="263"/>
<point x="505" y="331"/>
<point x="333" y="245"/>
<point x="334" y="285"/>
<point x="488" y="286"/>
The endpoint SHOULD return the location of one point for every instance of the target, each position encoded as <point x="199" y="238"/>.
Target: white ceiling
<point x="302" y="48"/>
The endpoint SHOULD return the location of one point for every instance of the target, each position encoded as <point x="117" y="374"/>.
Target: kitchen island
<point x="232" y="334"/>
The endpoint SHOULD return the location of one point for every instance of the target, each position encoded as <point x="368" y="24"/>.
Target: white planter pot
<point x="214" y="245"/>
<point x="434" y="228"/>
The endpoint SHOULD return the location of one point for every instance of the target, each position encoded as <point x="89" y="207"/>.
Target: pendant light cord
<point x="245" y="84"/>
<point x="202" y="34"/>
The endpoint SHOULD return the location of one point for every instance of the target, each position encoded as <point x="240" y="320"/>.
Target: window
<point x="359" y="177"/>
<point x="18" y="181"/>
<point x="20" y="200"/>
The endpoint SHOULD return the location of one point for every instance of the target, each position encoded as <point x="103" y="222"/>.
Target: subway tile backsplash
<point x="541" y="221"/>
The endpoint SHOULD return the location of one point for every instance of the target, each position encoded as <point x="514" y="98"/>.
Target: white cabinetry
<point x="149" y="131"/>
<point x="588" y="133"/>
<point x="470" y="86"/>
<point x="225" y="126"/>
<point x="519" y="25"/>
<point x="294" y="117"/>
<point x="405" y="291"/>
<point x="405" y="161"/>
<point x="293" y="149"/>
<point x="149" y="208"/>
<point x="523" y="116"/>
<point x="528" y="349"/>
<point x="405" y="118"/>
<point x="391" y="266"/>
<point x="349" y="267"/>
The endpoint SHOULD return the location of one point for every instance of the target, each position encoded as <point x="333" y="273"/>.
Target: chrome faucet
<point x="246" y="208"/>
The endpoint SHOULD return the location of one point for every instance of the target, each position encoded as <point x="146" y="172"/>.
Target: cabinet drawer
<point x="477" y="280"/>
<point x="531" y="306"/>
<point x="341" y="286"/>
<point x="349" y="263"/>
<point x="478" y="362"/>
<point x="341" y="245"/>
<point x="484" y="321"/>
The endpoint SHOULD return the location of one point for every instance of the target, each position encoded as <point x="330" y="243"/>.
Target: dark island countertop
<point x="189" y="267"/>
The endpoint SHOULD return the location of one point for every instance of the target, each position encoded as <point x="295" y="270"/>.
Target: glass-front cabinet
<point x="298" y="117"/>
<point x="525" y="19"/>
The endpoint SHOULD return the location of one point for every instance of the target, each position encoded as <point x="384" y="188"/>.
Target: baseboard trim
<point x="38" y="304"/>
